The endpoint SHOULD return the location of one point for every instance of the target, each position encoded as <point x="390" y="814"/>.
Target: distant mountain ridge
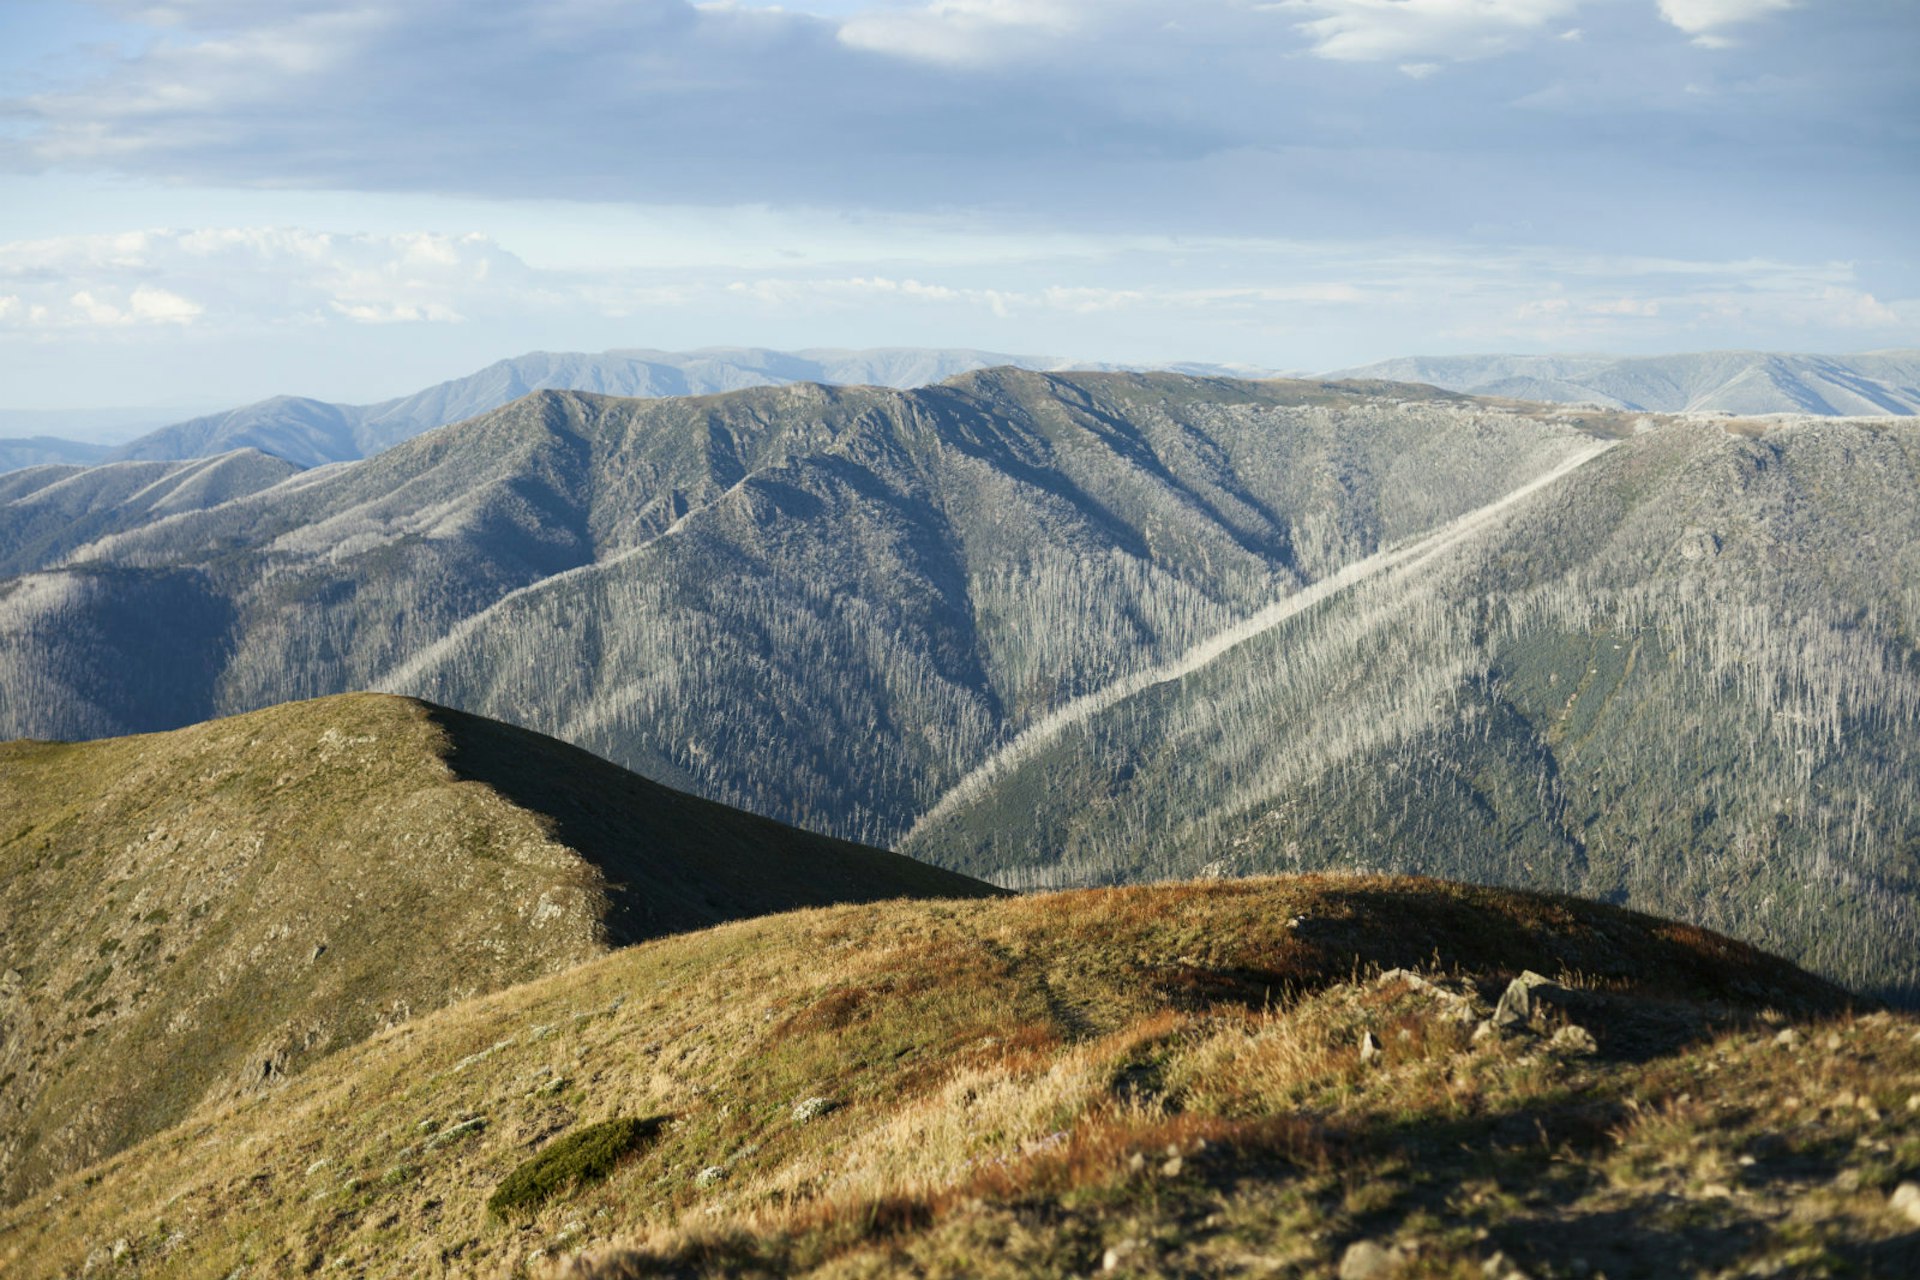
<point x="37" y="451"/>
<point x="314" y="432"/>
<point x="1876" y="383"/>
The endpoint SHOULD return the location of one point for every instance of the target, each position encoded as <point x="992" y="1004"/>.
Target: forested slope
<point x="1685" y="677"/>
<point x="821" y="604"/>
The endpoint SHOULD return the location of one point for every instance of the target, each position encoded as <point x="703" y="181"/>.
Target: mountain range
<point x="301" y="980"/>
<point x="1057" y="629"/>
<point x="314" y="432"/>
<point x="1736" y="382"/>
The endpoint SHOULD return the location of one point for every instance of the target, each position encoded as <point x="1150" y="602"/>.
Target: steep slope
<point x="200" y="914"/>
<point x="1737" y="382"/>
<point x="1166" y="1080"/>
<point x="311" y="432"/>
<point x="821" y="604"/>
<point x="1685" y="678"/>
<point x="48" y="512"/>
<point x="303" y="431"/>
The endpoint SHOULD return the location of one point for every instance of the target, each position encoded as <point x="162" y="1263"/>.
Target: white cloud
<point x="254" y="276"/>
<point x="966" y="31"/>
<point x="161" y="306"/>
<point x="1424" y="30"/>
<point x="1703" y="18"/>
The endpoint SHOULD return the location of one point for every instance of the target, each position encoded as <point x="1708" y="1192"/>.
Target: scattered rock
<point x="1574" y="1039"/>
<point x="708" y="1176"/>
<point x="454" y="1133"/>
<point x="549" y="1087"/>
<point x="1906" y="1200"/>
<point x="1365" y="1260"/>
<point x="1699" y="544"/>
<point x="1501" y="1267"/>
<point x="813" y="1109"/>
<point x="1172" y="1168"/>
<point x="1516" y="1004"/>
<point x="1121" y="1254"/>
<point x="1787" y="1039"/>
<point x="1369" y="1049"/>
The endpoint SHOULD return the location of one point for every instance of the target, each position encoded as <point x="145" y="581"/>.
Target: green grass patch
<point x="583" y="1156"/>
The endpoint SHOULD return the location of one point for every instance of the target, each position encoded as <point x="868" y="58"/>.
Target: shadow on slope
<point x="673" y="861"/>
<point x="203" y="914"/>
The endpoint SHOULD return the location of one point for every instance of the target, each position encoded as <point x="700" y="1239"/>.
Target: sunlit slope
<point x="822" y="604"/>
<point x="206" y="912"/>
<point x="940" y="1087"/>
<point x="1685" y="677"/>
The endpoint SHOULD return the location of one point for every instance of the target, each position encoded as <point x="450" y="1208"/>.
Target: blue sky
<point x="207" y="201"/>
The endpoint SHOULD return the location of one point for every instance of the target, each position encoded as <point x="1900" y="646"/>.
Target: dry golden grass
<point x="1170" y="1072"/>
<point x="202" y="913"/>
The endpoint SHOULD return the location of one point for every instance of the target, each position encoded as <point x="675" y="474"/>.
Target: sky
<point x="206" y="202"/>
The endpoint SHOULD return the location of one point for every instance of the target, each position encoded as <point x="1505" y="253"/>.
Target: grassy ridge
<point x="205" y="912"/>
<point x="1173" y="1074"/>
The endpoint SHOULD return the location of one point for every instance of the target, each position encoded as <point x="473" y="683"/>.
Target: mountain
<point x="1736" y="382"/>
<point x="1685" y="677"/>
<point x="1053" y="629"/>
<point x="198" y="915"/>
<point x="51" y="510"/>
<point x="822" y="604"/>
<point x="307" y="432"/>
<point x="35" y="451"/>
<point x="312" y="432"/>
<point x="1320" y="1074"/>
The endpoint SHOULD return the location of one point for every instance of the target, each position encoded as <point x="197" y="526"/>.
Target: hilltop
<point x="1295" y="1075"/>
<point x="205" y="913"/>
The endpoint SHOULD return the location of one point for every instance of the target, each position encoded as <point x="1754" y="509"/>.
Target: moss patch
<point x="583" y="1156"/>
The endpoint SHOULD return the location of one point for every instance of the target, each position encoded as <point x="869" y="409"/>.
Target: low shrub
<point x="585" y="1155"/>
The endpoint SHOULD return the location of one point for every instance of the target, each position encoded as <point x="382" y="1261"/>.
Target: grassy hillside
<point x="204" y="913"/>
<point x="1685" y="678"/>
<point x="1254" y="1078"/>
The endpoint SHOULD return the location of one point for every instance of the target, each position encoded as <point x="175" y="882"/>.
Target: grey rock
<point x="1366" y="1260"/>
<point x="1906" y="1200"/>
